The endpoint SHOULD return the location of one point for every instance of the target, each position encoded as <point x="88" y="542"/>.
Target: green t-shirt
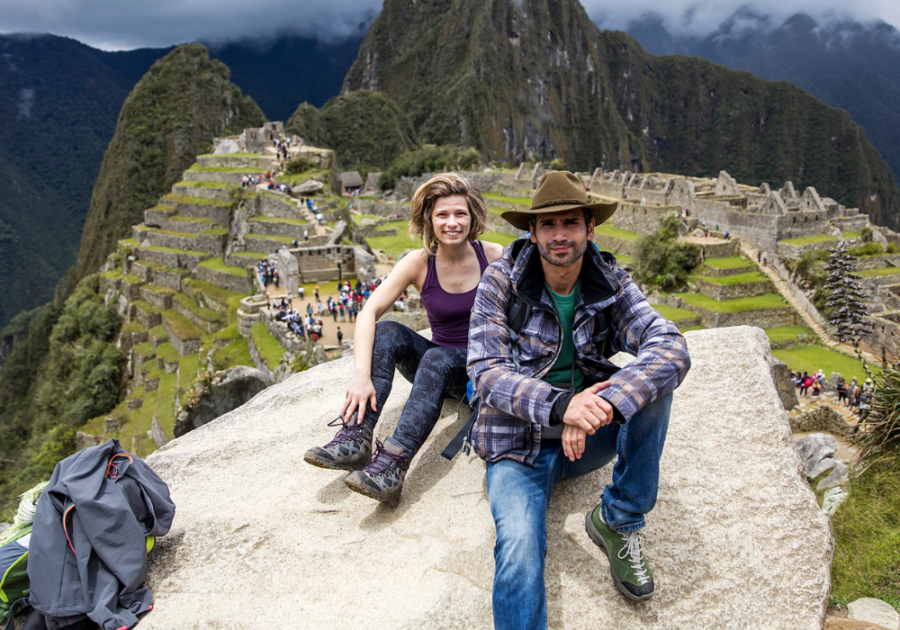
<point x="561" y="372"/>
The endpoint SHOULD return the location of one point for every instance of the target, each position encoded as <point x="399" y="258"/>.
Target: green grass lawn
<point x="204" y="184"/>
<point x="279" y="220"/>
<point x="614" y="232"/>
<point x="167" y="353"/>
<point x="847" y="235"/>
<point x="187" y="371"/>
<point x="400" y="225"/>
<point x="739" y="305"/>
<point x="814" y="357"/>
<point x="872" y="273"/>
<point x="867" y="537"/>
<point x="205" y="314"/>
<point x="287" y="240"/>
<point x="497" y="211"/>
<point x="181" y="326"/>
<point x="498" y="237"/>
<point x="172" y="250"/>
<point x="234" y="354"/>
<point x="727" y="281"/>
<point x="788" y="333"/>
<point x="731" y="262"/>
<point x="218" y="265"/>
<point x="697" y="327"/>
<point x="165" y="208"/>
<point x="674" y="314"/>
<point x="231" y="155"/>
<point x="269" y="349"/>
<point x="521" y="201"/>
<point x="187" y="200"/>
<point x="811" y="240"/>
<point x="623" y="258"/>
<point x="224" y="169"/>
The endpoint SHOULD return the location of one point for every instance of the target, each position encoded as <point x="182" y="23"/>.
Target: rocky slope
<point x="729" y="472"/>
<point x="170" y="117"/>
<point x="538" y="77"/>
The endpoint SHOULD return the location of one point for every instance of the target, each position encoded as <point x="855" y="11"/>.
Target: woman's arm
<point x="361" y="390"/>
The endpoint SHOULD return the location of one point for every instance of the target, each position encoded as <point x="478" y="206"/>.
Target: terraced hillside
<point x="179" y="282"/>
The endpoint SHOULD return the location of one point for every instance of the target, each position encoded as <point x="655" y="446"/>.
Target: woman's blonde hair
<point x="445" y="185"/>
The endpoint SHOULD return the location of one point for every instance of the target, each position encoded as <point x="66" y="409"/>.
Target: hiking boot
<point x="627" y="564"/>
<point x="382" y="478"/>
<point x="349" y="450"/>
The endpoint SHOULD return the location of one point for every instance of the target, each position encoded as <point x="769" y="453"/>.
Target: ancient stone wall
<point x="320" y="264"/>
<point x="278" y="205"/>
<point x="720" y="292"/>
<point x="240" y="284"/>
<point x="202" y="192"/>
<point x="640" y="219"/>
<point x="610" y="244"/>
<point x="220" y="177"/>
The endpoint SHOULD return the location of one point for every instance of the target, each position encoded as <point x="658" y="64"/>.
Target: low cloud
<point x="701" y="17"/>
<point x="125" y="25"/>
<point x="24" y="104"/>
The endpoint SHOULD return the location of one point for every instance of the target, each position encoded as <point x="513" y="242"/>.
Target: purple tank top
<point x="448" y="313"/>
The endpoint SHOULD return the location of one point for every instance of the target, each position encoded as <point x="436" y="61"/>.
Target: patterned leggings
<point x="434" y="371"/>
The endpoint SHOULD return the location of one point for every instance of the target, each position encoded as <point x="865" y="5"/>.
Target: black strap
<point x="15" y="608"/>
<point x="462" y="436"/>
<point x="601" y="333"/>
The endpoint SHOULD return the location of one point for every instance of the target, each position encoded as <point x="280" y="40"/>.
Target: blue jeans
<point x="519" y="496"/>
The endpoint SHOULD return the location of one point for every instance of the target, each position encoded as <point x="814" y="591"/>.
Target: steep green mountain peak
<point x="169" y="118"/>
<point x="519" y="79"/>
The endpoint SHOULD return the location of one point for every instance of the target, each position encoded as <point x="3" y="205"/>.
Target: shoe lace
<point x="351" y="432"/>
<point x="382" y="461"/>
<point x="631" y="553"/>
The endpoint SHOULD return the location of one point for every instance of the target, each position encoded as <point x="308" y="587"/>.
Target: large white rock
<point x="263" y="540"/>
<point x="874" y="611"/>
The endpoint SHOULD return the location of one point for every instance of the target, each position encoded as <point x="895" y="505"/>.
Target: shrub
<point x="893" y="247"/>
<point x="871" y="248"/>
<point x="429" y="159"/>
<point x="558" y="165"/>
<point x="662" y="260"/>
<point x="298" y="165"/>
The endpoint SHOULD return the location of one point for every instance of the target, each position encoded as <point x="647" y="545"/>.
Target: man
<point x="554" y="407"/>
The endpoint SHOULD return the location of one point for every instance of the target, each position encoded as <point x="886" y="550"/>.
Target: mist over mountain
<point x="843" y="62"/>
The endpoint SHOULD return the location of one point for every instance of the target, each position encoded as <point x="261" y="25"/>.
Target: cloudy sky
<point x="125" y="24"/>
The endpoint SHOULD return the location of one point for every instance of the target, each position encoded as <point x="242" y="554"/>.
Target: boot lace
<point x="632" y="555"/>
<point x="383" y="461"/>
<point x="351" y="432"/>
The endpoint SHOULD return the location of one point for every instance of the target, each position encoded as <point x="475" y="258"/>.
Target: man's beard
<point x="574" y="253"/>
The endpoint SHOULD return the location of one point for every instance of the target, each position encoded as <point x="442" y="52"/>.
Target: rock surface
<point x="874" y="611"/>
<point x="263" y="540"/>
<point x="815" y="448"/>
<point x="786" y="390"/>
<point x="227" y="392"/>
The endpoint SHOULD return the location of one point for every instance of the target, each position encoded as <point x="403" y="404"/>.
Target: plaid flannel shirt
<point x="516" y="405"/>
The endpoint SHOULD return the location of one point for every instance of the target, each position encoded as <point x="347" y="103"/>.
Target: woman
<point x="448" y="215"/>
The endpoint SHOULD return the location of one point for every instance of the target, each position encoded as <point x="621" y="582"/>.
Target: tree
<point x="846" y="296"/>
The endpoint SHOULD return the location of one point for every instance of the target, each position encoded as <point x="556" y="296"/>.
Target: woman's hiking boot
<point x="382" y="478"/>
<point x="349" y="450"/>
<point x="627" y="563"/>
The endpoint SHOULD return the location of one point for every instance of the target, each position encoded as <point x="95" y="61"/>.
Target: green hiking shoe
<point x="627" y="564"/>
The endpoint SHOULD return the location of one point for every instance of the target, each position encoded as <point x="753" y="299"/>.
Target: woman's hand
<point x="359" y="392"/>
<point x="573" y="442"/>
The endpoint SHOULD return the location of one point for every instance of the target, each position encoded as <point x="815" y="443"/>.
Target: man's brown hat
<point x="559" y="191"/>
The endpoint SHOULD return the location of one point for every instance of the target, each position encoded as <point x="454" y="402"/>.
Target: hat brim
<point x="600" y="211"/>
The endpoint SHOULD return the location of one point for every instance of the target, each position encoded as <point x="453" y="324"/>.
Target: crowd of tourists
<point x="302" y="326"/>
<point x="268" y="274"/>
<point x="851" y="395"/>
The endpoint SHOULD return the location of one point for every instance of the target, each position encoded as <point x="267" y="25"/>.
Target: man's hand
<point x="587" y="411"/>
